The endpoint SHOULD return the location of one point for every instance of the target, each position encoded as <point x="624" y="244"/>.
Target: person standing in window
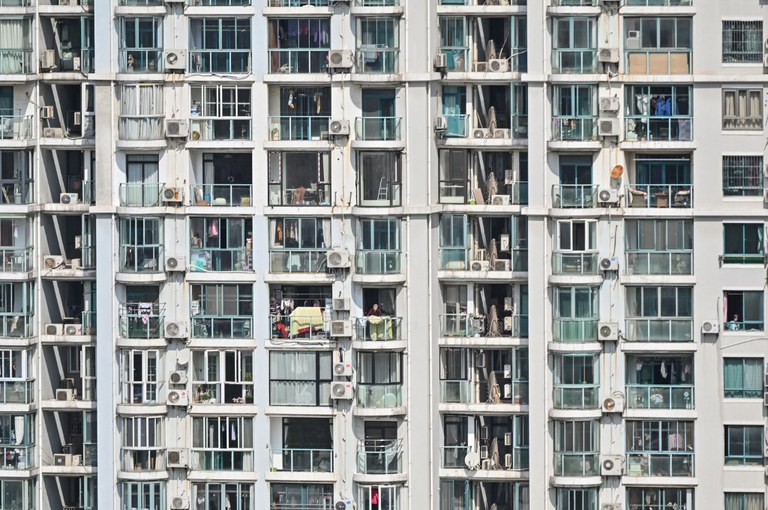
<point x="734" y="324"/>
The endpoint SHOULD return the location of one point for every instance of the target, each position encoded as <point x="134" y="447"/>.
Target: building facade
<point x="382" y="254"/>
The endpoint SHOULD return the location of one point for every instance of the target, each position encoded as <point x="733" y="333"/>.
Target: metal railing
<point x="220" y="61"/>
<point x="298" y="261"/>
<point x="206" y="129"/>
<point x="578" y="196"/>
<point x="142" y="320"/>
<point x="577" y="463"/>
<point x="380" y="456"/>
<point x="221" y="259"/>
<point x="568" y="60"/>
<point x="377" y="261"/>
<point x="298" y="60"/>
<point x="663" y="263"/>
<point x="18" y="391"/>
<point x="309" y="194"/>
<point x="141" y="60"/>
<point x="222" y="393"/>
<point x="378" y="328"/>
<point x="221" y="327"/>
<point x="574" y="129"/>
<point x="659" y="129"/>
<point x="302" y="460"/>
<point x="379" y="396"/>
<point x="471" y="325"/>
<point x="141" y="127"/>
<point x="659" y="464"/>
<point x="298" y="326"/>
<point x="575" y="263"/>
<point x="296" y="127"/>
<point x="463" y="392"/>
<point x="140" y="194"/>
<point x="232" y="195"/>
<point x="377" y="128"/>
<point x="574" y="330"/>
<point x="659" y="396"/>
<point x="650" y="61"/>
<point x="659" y="330"/>
<point x="15" y="60"/>
<point x="377" y="60"/>
<point x="16" y="259"/>
<point x="576" y="396"/>
<point x="231" y="459"/>
<point x="660" y="195"/>
<point x="16" y="127"/>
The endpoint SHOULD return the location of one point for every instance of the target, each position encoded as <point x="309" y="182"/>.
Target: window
<point x="454" y="176"/>
<point x="659" y="314"/>
<point x="379" y="121"/>
<point x="742" y="176"/>
<point x="744" y="445"/>
<point x="139" y="376"/>
<point x="287" y="496"/>
<point x="222" y="443"/>
<point x="577" y="381"/>
<point x="300" y="378"/>
<point x="17" y="441"/>
<point x="659" y="382"/>
<point x="239" y="496"/>
<point x="576" y="499"/>
<point x="573" y="113"/>
<point x="661" y="181"/>
<point x="653" y="498"/>
<point x="15" y="176"/>
<point x="220" y="112"/>
<point x="379" y="497"/>
<point x="222" y="377"/>
<point x="743" y="501"/>
<point x="454" y="109"/>
<point x="576" y="248"/>
<point x="305" y="445"/>
<point x="141" y="44"/>
<point x="143" y="442"/>
<point x="742" y="42"/>
<point x="577" y="448"/>
<point x="659" y="45"/>
<point x="453" y="43"/>
<point x="220" y="310"/>
<point x="16" y="45"/>
<point x="575" y="188"/>
<point x="144" y="495"/>
<point x="659" y="448"/>
<point x="744" y="243"/>
<point x="379" y="178"/>
<point x="380" y="379"/>
<point x="141" y="188"/>
<point x="659" y="112"/>
<point x="299" y="45"/>
<point x="19" y="494"/>
<point x="221" y="244"/>
<point x="744" y="310"/>
<point x="743" y="377"/>
<point x="662" y="247"/>
<point x="299" y="178"/>
<point x="377" y="45"/>
<point x="16" y="309"/>
<point x="299" y="113"/>
<point x="220" y="45"/>
<point x="298" y="244"/>
<point x="743" y="109"/>
<point x="141" y="244"/>
<point x="453" y="242"/>
<point x="574" y="43"/>
<point x="576" y="314"/>
<point x="225" y="180"/>
<point x="378" y="246"/>
<point x="141" y="112"/>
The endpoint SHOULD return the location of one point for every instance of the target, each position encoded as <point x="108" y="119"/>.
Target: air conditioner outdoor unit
<point x="65" y="394"/>
<point x="502" y="265"/>
<point x="76" y="64"/>
<point x="53" y="132"/>
<point x="177" y="398"/>
<point x="500" y="200"/>
<point x="441" y="61"/>
<point x="608" y="196"/>
<point x="73" y="329"/>
<point x="46" y="112"/>
<point x="610" y="104"/>
<point x="179" y="502"/>
<point x="608" y="55"/>
<point x="340" y="59"/>
<point x="76" y="263"/>
<point x="177" y="458"/>
<point x="338" y="259"/>
<point x="504" y="242"/>
<point x="341" y="304"/>
<point x="178" y="377"/>
<point x="67" y="459"/>
<point x="54" y="329"/>
<point x="481" y="133"/>
<point x="345" y="504"/>
<point x="341" y="329"/>
<point x="480" y="265"/>
<point x="497" y="65"/>
<point x="610" y="465"/>
<point x="508" y="461"/>
<point x="176" y="330"/>
<point x="441" y="124"/>
<point x="484" y="452"/>
<point x="339" y="127"/>
<point x="175" y="60"/>
<point x="609" y="264"/>
<point x="501" y="133"/>
<point x="53" y="261"/>
<point x="633" y="40"/>
<point x="480" y="360"/>
<point x="176" y="128"/>
<point x="47" y="60"/>
<point x="710" y="327"/>
<point x="608" y="127"/>
<point x="176" y="264"/>
<point x="68" y="198"/>
<point x="341" y="390"/>
<point x="607" y="331"/>
<point x="77" y="119"/>
<point x="613" y="405"/>
<point x="610" y="506"/>
<point x="173" y="195"/>
<point x="342" y="369"/>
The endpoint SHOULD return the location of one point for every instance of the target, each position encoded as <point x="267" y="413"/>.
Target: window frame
<point x="750" y="453"/>
<point x="738" y="120"/>
<point x="744" y="391"/>
<point x="742" y="51"/>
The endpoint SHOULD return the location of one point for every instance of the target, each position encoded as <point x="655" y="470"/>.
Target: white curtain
<point x="293" y="375"/>
<point x="14" y="35"/>
<point x="142" y="108"/>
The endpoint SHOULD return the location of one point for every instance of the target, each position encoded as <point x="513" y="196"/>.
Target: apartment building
<point x="382" y="255"/>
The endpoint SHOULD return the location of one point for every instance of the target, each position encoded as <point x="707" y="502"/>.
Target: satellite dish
<point x="617" y="172"/>
<point x="472" y="459"/>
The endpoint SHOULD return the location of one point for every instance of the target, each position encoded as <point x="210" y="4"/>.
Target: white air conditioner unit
<point x="508" y="461"/>
<point x="76" y="263"/>
<point x="340" y="59"/>
<point x="607" y="331"/>
<point x="609" y="264"/>
<point x="67" y="459"/>
<point x="68" y="198"/>
<point x="177" y="458"/>
<point x="497" y="65"/>
<point x="484" y="453"/>
<point x="176" y="128"/>
<point x="338" y="259"/>
<point x="608" y="55"/>
<point x="175" y="60"/>
<point x="342" y="369"/>
<point x="54" y="329"/>
<point x="341" y="304"/>
<point x="608" y="127"/>
<point x="76" y="64"/>
<point x="178" y="377"/>
<point x="480" y="360"/>
<point x="339" y="128"/>
<point x="77" y="119"/>
<point x="633" y="40"/>
<point x="53" y="261"/>
<point x="173" y="195"/>
<point x="176" y="264"/>
<point x="610" y="506"/>
<point x="73" y="329"/>
<point x="53" y="132"/>
<point x="610" y="104"/>
<point x="502" y="134"/>
<point x="608" y="196"/>
<point x="500" y="200"/>
<point x="176" y="330"/>
<point x="613" y="405"/>
<point x="341" y="390"/>
<point x="46" y="112"/>
<point x="47" y="60"/>
<point x="65" y="394"/>
<point x="441" y="61"/>
<point x="480" y="265"/>
<point x="341" y="329"/>
<point x="179" y="502"/>
<point x="481" y="133"/>
<point x="710" y="327"/>
<point x="177" y="398"/>
<point x="610" y="465"/>
<point x="344" y="504"/>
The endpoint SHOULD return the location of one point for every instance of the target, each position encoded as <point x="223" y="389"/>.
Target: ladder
<point x="383" y="191"/>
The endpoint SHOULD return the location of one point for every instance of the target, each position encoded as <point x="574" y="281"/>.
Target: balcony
<point x="574" y="330"/>
<point x="574" y="61"/>
<point x="16" y="60"/>
<point x="16" y="325"/>
<point x="141" y="60"/>
<point x="16" y="127"/>
<point x="141" y="460"/>
<point x="231" y="459"/>
<point x="569" y="263"/>
<point x="577" y="464"/>
<point x="378" y="328"/>
<point x="457" y="58"/>
<point x="659" y="396"/>
<point x="481" y="2"/>
<point x="379" y="396"/>
<point x="15" y="260"/>
<point x="299" y="60"/>
<point x="298" y="261"/>
<point x="468" y="325"/>
<point x="452" y="457"/>
<point x="302" y="460"/>
<point x="661" y="61"/>
<point x="574" y="129"/>
<point x="465" y="392"/>
<point x="298" y="3"/>
<point x="221" y="327"/>
<point x="140" y="194"/>
<point x="658" y="129"/>
<point x="456" y="125"/>
<point x="662" y="196"/>
<point x="210" y="129"/>
<point x="222" y="259"/>
<point x="659" y="3"/>
<point x="380" y="457"/>
<point x="142" y="320"/>
<point x="17" y="391"/>
<point x="659" y="330"/>
<point x="17" y="457"/>
<point x="298" y="127"/>
<point x="660" y="263"/>
<point x="377" y="129"/>
<point x="575" y="3"/>
<point x="377" y="59"/>
<point x="660" y="464"/>
<point x="219" y="61"/>
<point x="222" y="393"/>
<point x="145" y="259"/>
<point x="576" y="396"/>
<point x="575" y="196"/>
<point x="304" y="322"/>
<point x="221" y="195"/>
<point x="380" y="262"/>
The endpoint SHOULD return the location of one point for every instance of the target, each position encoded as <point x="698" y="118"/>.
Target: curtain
<point x="729" y="104"/>
<point x="14" y="35"/>
<point x="743" y="501"/>
<point x="142" y="108"/>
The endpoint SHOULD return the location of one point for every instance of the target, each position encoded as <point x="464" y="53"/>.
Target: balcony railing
<point x="576" y="396"/>
<point x="574" y="330"/>
<point x="659" y="330"/>
<point x="575" y="3"/>
<point x="232" y="195"/>
<point x="299" y="393"/>
<point x="377" y="3"/>
<point x="659" y="3"/>
<point x="577" y="196"/>
<point x="298" y="261"/>
<point x="221" y="327"/>
<point x="220" y="61"/>
<point x="298" y="60"/>
<point x="17" y="457"/>
<point x="302" y="460"/>
<point x="141" y="127"/>
<point x="379" y="396"/>
<point x="16" y="325"/>
<point x="659" y="129"/>
<point x="222" y="259"/>
<point x="452" y="457"/>
<point x="470" y="325"/>
<point x="377" y="261"/>
<point x="16" y="127"/>
<point x="479" y="2"/>
<point x="566" y="60"/>
<point x="457" y="58"/>
<point x="206" y="129"/>
<point x="18" y="391"/>
<point x="142" y="320"/>
<point x="377" y="128"/>
<point x="648" y="61"/>
<point x="16" y="259"/>
<point x="456" y="125"/>
<point x="378" y="328"/>
<point x="15" y="3"/>
<point x="660" y="396"/>
<point x="660" y="195"/>
<point x="15" y="61"/>
<point x="380" y="457"/>
<point x="141" y="259"/>
<point x="140" y="194"/>
<point x="222" y="393"/>
<point x="463" y="392"/>
<point x="230" y="459"/>
<point x="298" y="127"/>
<point x="660" y="464"/>
<point x="575" y="263"/>
<point x="298" y="3"/>
<point x="141" y="60"/>
<point x="577" y="463"/>
<point x="454" y="259"/>
<point x="305" y="324"/>
<point x="574" y="129"/>
<point x="375" y="59"/>
<point x="663" y="263"/>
